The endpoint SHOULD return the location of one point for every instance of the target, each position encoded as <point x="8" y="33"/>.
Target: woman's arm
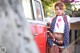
<point x="69" y="25"/>
<point x="68" y="18"/>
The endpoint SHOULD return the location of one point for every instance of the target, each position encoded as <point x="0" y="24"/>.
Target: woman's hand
<point x="59" y="42"/>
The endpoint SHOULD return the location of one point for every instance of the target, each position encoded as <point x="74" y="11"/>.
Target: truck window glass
<point x="38" y="11"/>
<point x="27" y="9"/>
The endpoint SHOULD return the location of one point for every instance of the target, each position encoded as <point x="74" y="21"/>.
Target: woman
<point x="59" y="29"/>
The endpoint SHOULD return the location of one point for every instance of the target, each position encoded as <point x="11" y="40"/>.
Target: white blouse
<point x="59" y="25"/>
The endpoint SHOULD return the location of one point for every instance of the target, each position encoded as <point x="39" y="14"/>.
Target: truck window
<point x="38" y="11"/>
<point x="27" y="9"/>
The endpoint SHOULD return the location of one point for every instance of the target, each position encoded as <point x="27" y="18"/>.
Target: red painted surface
<point x="33" y="30"/>
<point x="40" y="39"/>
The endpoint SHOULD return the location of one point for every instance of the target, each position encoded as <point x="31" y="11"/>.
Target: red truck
<point x="34" y="15"/>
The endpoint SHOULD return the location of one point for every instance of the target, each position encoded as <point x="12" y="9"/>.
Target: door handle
<point x="35" y="34"/>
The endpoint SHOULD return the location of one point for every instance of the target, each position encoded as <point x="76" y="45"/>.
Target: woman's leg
<point x="51" y="49"/>
<point x="61" y="50"/>
<point x="54" y="49"/>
